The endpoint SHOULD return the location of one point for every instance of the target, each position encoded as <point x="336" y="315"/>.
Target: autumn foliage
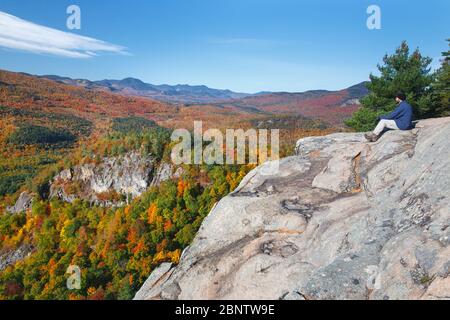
<point x="116" y="248"/>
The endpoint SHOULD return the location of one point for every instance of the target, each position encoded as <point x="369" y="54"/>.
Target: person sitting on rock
<point x="399" y="119"/>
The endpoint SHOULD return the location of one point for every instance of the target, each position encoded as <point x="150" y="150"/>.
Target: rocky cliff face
<point x="22" y="204"/>
<point x="10" y="257"/>
<point x="343" y="219"/>
<point x="127" y="175"/>
<point x="115" y="178"/>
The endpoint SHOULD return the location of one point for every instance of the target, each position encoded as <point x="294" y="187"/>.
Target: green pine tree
<point x="440" y="99"/>
<point x="401" y="71"/>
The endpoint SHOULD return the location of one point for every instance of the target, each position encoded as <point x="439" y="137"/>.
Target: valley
<point x="226" y="150"/>
<point x="86" y="179"/>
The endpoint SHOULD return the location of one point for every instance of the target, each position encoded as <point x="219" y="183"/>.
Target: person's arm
<point x="394" y="114"/>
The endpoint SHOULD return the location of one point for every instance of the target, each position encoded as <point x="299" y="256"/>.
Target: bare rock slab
<point x="342" y="219"/>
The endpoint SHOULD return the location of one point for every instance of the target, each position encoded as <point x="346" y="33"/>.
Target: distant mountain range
<point x="189" y="101"/>
<point x="187" y="94"/>
<point x="331" y="106"/>
<point x="181" y="93"/>
<point x="24" y="95"/>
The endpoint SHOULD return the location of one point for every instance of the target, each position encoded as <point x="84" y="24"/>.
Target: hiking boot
<point x="371" y="137"/>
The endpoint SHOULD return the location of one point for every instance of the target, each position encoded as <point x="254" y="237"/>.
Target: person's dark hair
<point x="401" y="96"/>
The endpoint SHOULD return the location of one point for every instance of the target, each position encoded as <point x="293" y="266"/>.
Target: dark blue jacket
<point x="402" y="115"/>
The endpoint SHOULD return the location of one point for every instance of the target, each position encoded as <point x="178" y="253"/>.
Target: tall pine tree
<point x="402" y="71"/>
<point x="440" y="99"/>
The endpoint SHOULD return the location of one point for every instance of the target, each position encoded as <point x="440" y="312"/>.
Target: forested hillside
<point x="115" y="247"/>
<point x="48" y="128"/>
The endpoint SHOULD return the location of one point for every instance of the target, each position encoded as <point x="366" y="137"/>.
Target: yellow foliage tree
<point x="152" y="213"/>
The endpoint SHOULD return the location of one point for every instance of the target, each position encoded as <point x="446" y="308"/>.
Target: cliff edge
<point x="343" y="219"/>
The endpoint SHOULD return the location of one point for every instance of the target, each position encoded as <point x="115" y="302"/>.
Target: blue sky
<point x="242" y="45"/>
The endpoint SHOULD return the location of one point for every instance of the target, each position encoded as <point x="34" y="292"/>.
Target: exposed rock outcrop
<point x="113" y="181"/>
<point x="128" y="175"/>
<point x="10" y="257"/>
<point x="343" y="219"/>
<point x="22" y="204"/>
<point x="165" y="172"/>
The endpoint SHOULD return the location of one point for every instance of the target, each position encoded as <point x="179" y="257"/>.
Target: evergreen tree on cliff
<point x="401" y="71"/>
<point x="441" y="89"/>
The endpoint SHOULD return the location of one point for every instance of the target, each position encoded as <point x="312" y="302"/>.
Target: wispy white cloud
<point x="19" y="34"/>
